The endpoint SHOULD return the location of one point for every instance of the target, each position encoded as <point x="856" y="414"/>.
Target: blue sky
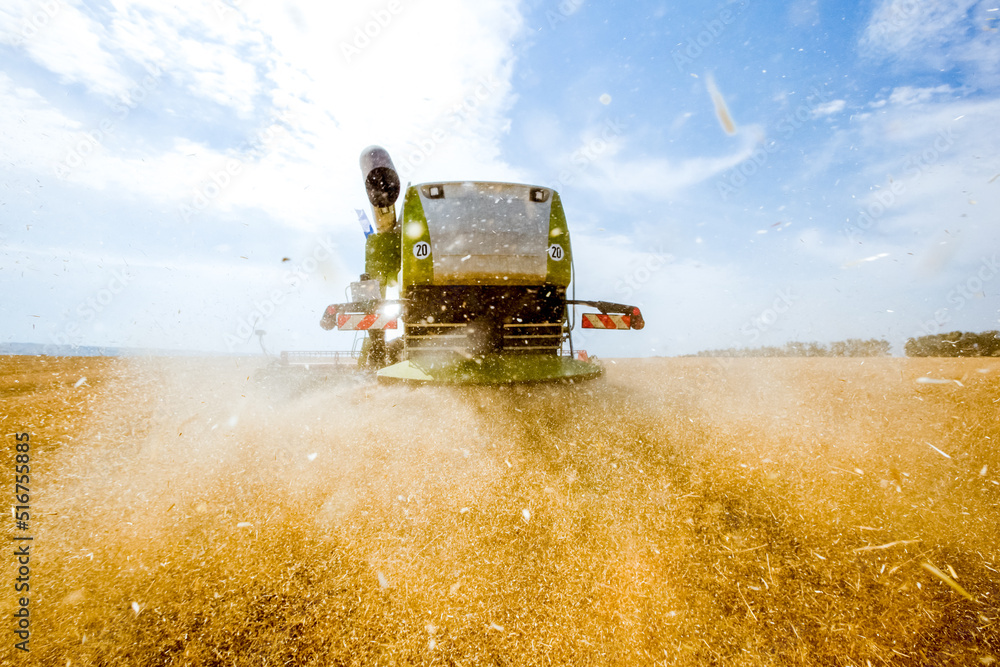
<point x="159" y="163"/>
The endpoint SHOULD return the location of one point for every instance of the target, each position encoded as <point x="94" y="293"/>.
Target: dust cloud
<point x="756" y="512"/>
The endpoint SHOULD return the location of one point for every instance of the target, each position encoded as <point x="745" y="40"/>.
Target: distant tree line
<point x="852" y="347"/>
<point x="955" y="344"/>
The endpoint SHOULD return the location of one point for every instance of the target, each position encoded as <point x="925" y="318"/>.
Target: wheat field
<point x="674" y="512"/>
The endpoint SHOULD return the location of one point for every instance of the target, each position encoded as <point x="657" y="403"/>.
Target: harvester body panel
<point x="486" y="233"/>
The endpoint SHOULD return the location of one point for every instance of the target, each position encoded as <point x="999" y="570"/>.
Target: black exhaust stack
<point x="382" y="185"/>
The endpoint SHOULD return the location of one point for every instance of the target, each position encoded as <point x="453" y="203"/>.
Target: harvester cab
<point x="482" y="270"/>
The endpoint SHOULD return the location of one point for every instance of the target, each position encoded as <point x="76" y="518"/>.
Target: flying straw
<point x="954" y="585"/>
<point x="938" y="450"/>
<point x="721" y="110"/>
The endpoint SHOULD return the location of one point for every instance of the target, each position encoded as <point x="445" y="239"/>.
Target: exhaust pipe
<point x="382" y="186"/>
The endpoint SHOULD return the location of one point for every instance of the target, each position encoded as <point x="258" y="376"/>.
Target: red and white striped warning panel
<point x="601" y="321"/>
<point x="349" y="322"/>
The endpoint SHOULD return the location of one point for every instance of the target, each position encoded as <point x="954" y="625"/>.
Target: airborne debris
<point x="954" y="585"/>
<point x="929" y="380"/>
<point x="858" y="262"/>
<point x="600" y="550"/>
<point x="938" y="450"/>
<point x="721" y="110"/>
<point x="886" y="546"/>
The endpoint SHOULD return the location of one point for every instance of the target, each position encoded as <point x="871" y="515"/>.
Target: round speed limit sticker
<point x="422" y="250"/>
<point x="556" y="252"/>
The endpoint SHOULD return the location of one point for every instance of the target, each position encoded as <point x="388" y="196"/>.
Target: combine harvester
<point x="482" y="271"/>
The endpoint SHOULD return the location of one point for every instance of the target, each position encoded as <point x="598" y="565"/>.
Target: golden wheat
<point x="677" y="511"/>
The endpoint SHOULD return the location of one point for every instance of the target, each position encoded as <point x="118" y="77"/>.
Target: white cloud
<point x="906" y="27"/>
<point x="218" y="74"/>
<point x="661" y="178"/>
<point x="211" y="49"/>
<point x="435" y="112"/>
<point x="938" y="35"/>
<point x="907" y="95"/>
<point x="34" y="134"/>
<point x="924" y="190"/>
<point x="63" y="39"/>
<point x="828" y="108"/>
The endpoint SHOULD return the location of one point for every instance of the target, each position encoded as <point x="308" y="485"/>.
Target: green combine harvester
<point x="482" y="271"/>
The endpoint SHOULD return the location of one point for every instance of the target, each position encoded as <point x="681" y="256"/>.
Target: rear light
<point x="329" y="320"/>
<point x="637" y="321"/>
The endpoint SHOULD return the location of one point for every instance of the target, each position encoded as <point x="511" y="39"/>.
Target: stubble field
<point x="676" y="511"/>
